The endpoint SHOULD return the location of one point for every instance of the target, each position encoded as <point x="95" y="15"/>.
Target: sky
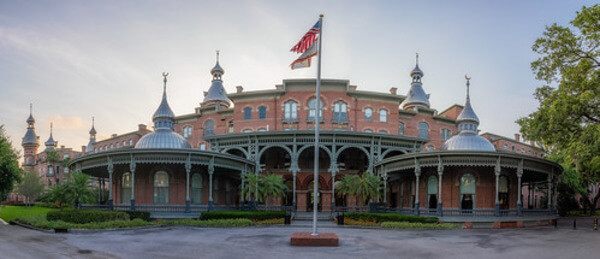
<point x="78" y="59"/>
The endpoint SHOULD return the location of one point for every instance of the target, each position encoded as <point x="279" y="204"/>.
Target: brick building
<point x="196" y="160"/>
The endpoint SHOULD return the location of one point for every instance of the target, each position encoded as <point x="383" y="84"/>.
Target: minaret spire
<point x="417" y="56"/>
<point x="468" y="85"/>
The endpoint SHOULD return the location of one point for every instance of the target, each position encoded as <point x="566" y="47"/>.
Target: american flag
<point x="308" y="39"/>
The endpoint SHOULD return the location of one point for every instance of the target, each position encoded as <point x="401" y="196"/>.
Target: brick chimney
<point x="239" y="89"/>
<point x="83" y="149"/>
<point x="517" y="137"/>
<point x="142" y="127"/>
<point x="393" y="90"/>
<point x="352" y="87"/>
<point x="114" y="135"/>
<point x="62" y="146"/>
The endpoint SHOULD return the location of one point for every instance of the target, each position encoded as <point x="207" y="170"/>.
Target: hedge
<point x="40" y="221"/>
<point x="416" y="225"/>
<point x="210" y="223"/>
<point x="144" y="215"/>
<point x="253" y="215"/>
<point x="86" y="216"/>
<point x="383" y="217"/>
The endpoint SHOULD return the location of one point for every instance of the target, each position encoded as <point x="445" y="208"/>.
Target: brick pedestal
<point x="306" y="239"/>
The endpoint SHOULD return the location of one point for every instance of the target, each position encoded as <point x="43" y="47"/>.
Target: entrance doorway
<point x="311" y="197"/>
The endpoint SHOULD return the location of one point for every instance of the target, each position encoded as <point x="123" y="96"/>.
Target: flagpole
<point x="317" y="124"/>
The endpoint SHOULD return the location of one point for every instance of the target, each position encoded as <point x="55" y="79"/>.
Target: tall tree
<point x="10" y="172"/>
<point x="30" y="186"/>
<point x="567" y="121"/>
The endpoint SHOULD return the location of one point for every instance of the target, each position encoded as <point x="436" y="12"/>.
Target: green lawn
<point x="10" y="212"/>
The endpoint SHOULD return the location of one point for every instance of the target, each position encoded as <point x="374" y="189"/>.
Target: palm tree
<point x="363" y="187"/>
<point x="78" y="189"/>
<point x="269" y="185"/>
<point x="52" y="157"/>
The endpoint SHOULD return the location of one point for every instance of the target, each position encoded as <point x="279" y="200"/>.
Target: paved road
<point x="273" y="242"/>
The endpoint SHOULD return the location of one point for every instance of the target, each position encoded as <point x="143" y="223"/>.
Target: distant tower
<point x="90" y="147"/>
<point x="216" y="95"/>
<point x="30" y="143"/>
<point x="416" y="96"/>
<point x="50" y="143"/>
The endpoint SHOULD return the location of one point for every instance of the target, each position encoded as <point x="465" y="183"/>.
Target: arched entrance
<point x="275" y="159"/>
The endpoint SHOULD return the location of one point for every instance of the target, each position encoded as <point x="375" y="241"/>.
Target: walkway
<point x="273" y="242"/>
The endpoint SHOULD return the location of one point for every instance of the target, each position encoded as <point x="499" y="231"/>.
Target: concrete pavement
<point x="273" y="242"/>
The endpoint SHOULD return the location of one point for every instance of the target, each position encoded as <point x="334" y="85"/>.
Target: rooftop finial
<point x="165" y="74"/>
<point x="30" y="108"/>
<point x="468" y="84"/>
<point x="92" y="121"/>
<point x="417" y="54"/>
<point x="217" y="55"/>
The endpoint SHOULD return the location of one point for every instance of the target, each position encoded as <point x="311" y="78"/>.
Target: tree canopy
<point x="10" y="171"/>
<point x="30" y="186"/>
<point x="567" y="121"/>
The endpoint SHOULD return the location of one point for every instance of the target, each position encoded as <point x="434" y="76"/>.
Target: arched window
<point x="230" y="125"/>
<point x="369" y="131"/>
<point x="430" y="148"/>
<point x="187" y="131"/>
<point x="312" y="108"/>
<point x="161" y="187"/>
<point x="202" y="146"/>
<point x="503" y="192"/>
<point x="247" y="113"/>
<point x="368" y="114"/>
<point x="290" y="112"/>
<point x="467" y="192"/>
<point x="383" y="132"/>
<point x="209" y="128"/>
<point x="197" y="185"/>
<point x="247" y="130"/>
<point x="432" y="190"/>
<point x="124" y="143"/>
<point x="401" y="128"/>
<point x="382" y="115"/>
<point x="339" y="112"/>
<point x="446" y="134"/>
<point x="423" y="130"/>
<point x="262" y="112"/>
<point x="131" y="142"/>
<point x="126" y="188"/>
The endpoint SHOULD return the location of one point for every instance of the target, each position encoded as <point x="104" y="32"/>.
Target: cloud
<point x="61" y="122"/>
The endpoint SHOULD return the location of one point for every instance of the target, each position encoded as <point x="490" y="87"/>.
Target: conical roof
<point x="416" y="96"/>
<point x="216" y="94"/>
<point x="163" y="135"/>
<point x="467" y="137"/>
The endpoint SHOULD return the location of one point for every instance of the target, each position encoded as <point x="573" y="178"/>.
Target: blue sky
<point x="78" y="59"/>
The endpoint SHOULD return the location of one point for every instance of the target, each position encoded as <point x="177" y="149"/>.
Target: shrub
<point x="416" y="225"/>
<point x="13" y="203"/>
<point x="252" y="215"/>
<point x="86" y="216"/>
<point x="144" y="215"/>
<point x="381" y="217"/>
<point x="41" y="222"/>
<point x="210" y="223"/>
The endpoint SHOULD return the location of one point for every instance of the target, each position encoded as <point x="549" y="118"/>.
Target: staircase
<point x="305" y="219"/>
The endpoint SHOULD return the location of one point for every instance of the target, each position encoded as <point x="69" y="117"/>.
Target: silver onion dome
<point x="216" y="94"/>
<point x="416" y="96"/>
<point x="90" y="146"/>
<point x="50" y="143"/>
<point x="163" y="135"/>
<point x="30" y="137"/>
<point x="467" y="138"/>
